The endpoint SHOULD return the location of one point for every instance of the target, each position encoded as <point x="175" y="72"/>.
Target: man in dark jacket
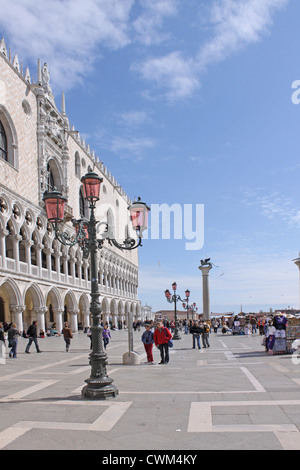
<point x="196" y="330"/>
<point x="32" y="334"/>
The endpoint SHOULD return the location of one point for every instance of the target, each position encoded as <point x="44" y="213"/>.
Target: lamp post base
<point x="176" y="336"/>
<point x="97" y="389"/>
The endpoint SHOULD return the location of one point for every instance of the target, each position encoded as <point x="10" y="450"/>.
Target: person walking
<point x="89" y="335"/>
<point x="105" y="335"/>
<point x="32" y="334"/>
<point x="205" y="335"/>
<point x="2" y="342"/>
<point x="2" y="337"/>
<point x="147" y="339"/>
<point x="12" y="336"/>
<point x="67" y="335"/>
<point x="161" y="337"/>
<point x="196" y="330"/>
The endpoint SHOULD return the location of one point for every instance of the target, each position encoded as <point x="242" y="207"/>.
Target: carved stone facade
<point x="39" y="278"/>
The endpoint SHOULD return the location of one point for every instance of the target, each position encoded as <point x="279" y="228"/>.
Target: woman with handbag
<point x="161" y="337"/>
<point x="12" y="336"/>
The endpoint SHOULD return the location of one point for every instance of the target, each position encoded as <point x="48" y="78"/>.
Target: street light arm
<point x="65" y="238"/>
<point x="128" y="244"/>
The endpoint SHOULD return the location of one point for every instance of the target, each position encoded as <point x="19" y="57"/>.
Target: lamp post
<point x="174" y="299"/>
<point x="189" y="308"/>
<point x="99" y="385"/>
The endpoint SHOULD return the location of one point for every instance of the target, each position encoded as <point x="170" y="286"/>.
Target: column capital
<point x="205" y="270"/>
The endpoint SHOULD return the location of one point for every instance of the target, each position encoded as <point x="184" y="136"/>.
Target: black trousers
<point x="164" y="353"/>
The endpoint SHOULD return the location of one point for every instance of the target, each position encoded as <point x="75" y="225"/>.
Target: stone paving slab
<point x="229" y="396"/>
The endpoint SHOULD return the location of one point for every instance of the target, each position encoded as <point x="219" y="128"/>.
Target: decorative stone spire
<point x="3" y="49"/>
<point x="27" y="75"/>
<point x="16" y="64"/>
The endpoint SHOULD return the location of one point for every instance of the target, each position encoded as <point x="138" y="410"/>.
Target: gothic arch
<point x="113" y="307"/>
<point x="84" y="303"/>
<point x="105" y="306"/>
<point x="70" y="301"/>
<point x="56" y="170"/>
<point x="36" y="294"/>
<point x="11" y="287"/>
<point x="12" y="137"/>
<point x="55" y="299"/>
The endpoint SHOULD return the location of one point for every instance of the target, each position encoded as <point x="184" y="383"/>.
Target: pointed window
<point x="3" y="143"/>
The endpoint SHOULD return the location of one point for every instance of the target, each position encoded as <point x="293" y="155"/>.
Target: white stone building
<point x="40" y="279"/>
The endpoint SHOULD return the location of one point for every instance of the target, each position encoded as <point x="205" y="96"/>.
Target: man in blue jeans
<point x="196" y="330"/>
<point x="32" y="333"/>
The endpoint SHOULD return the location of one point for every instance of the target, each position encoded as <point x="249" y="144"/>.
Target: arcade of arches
<point x="56" y="306"/>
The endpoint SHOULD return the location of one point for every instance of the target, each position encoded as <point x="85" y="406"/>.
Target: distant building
<point x="170" y="316"/>
<point x="146" y="313"/>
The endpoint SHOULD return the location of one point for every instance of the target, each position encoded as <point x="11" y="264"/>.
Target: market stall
<point x="281" y="333"/>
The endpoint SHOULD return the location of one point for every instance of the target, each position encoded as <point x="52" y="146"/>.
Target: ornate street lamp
<point x="174" y="299"/>
<point x="99" y="385"/>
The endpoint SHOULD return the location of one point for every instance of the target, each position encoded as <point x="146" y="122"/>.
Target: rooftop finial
<point x="39" y="73"/>
<point x="63" y="103"/>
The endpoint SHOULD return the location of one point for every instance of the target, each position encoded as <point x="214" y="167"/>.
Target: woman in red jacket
<point x="161" y="337"/>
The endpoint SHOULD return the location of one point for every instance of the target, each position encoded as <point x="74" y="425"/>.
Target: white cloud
<point x="71" y="35"/>
<point x="274" y="206"/>
<point x="149" y="24"/>
<point x="65" y="33"/>
<point x="173" y="73"/>
<point x="133" y="118"/>
<point x="234" y="24"/>
<point x="131" y="147"/>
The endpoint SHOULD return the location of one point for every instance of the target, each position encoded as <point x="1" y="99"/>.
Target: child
<point x="147" y="339"/>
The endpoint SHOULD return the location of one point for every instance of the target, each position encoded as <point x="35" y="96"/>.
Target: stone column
<point x="3" y="234"/>
<point x="205" y="291"/>
<point x="74" y="321"/>
<point x="297" y="263"/>
<point x="86" y="319"/>
<point x="17" y="315"/>
<point x="59" y="320"/>
<point x="41" y="319"/>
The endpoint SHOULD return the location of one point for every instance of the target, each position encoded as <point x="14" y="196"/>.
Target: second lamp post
<point x="174" y="299"/>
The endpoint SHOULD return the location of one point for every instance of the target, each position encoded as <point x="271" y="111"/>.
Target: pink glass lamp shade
<point x="139" y="215"/>
<point x="55" y="206"/>
<point x="91" y="186"/>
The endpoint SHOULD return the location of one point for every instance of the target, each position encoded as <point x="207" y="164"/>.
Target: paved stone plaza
<point x="230" y="396"/>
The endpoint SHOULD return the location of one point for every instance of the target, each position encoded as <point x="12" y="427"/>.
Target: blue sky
<point x="187" y="102"/>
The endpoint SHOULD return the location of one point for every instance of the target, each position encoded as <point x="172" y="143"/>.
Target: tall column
<point x="205" y="291"/>
<point x="297" y="263"/>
